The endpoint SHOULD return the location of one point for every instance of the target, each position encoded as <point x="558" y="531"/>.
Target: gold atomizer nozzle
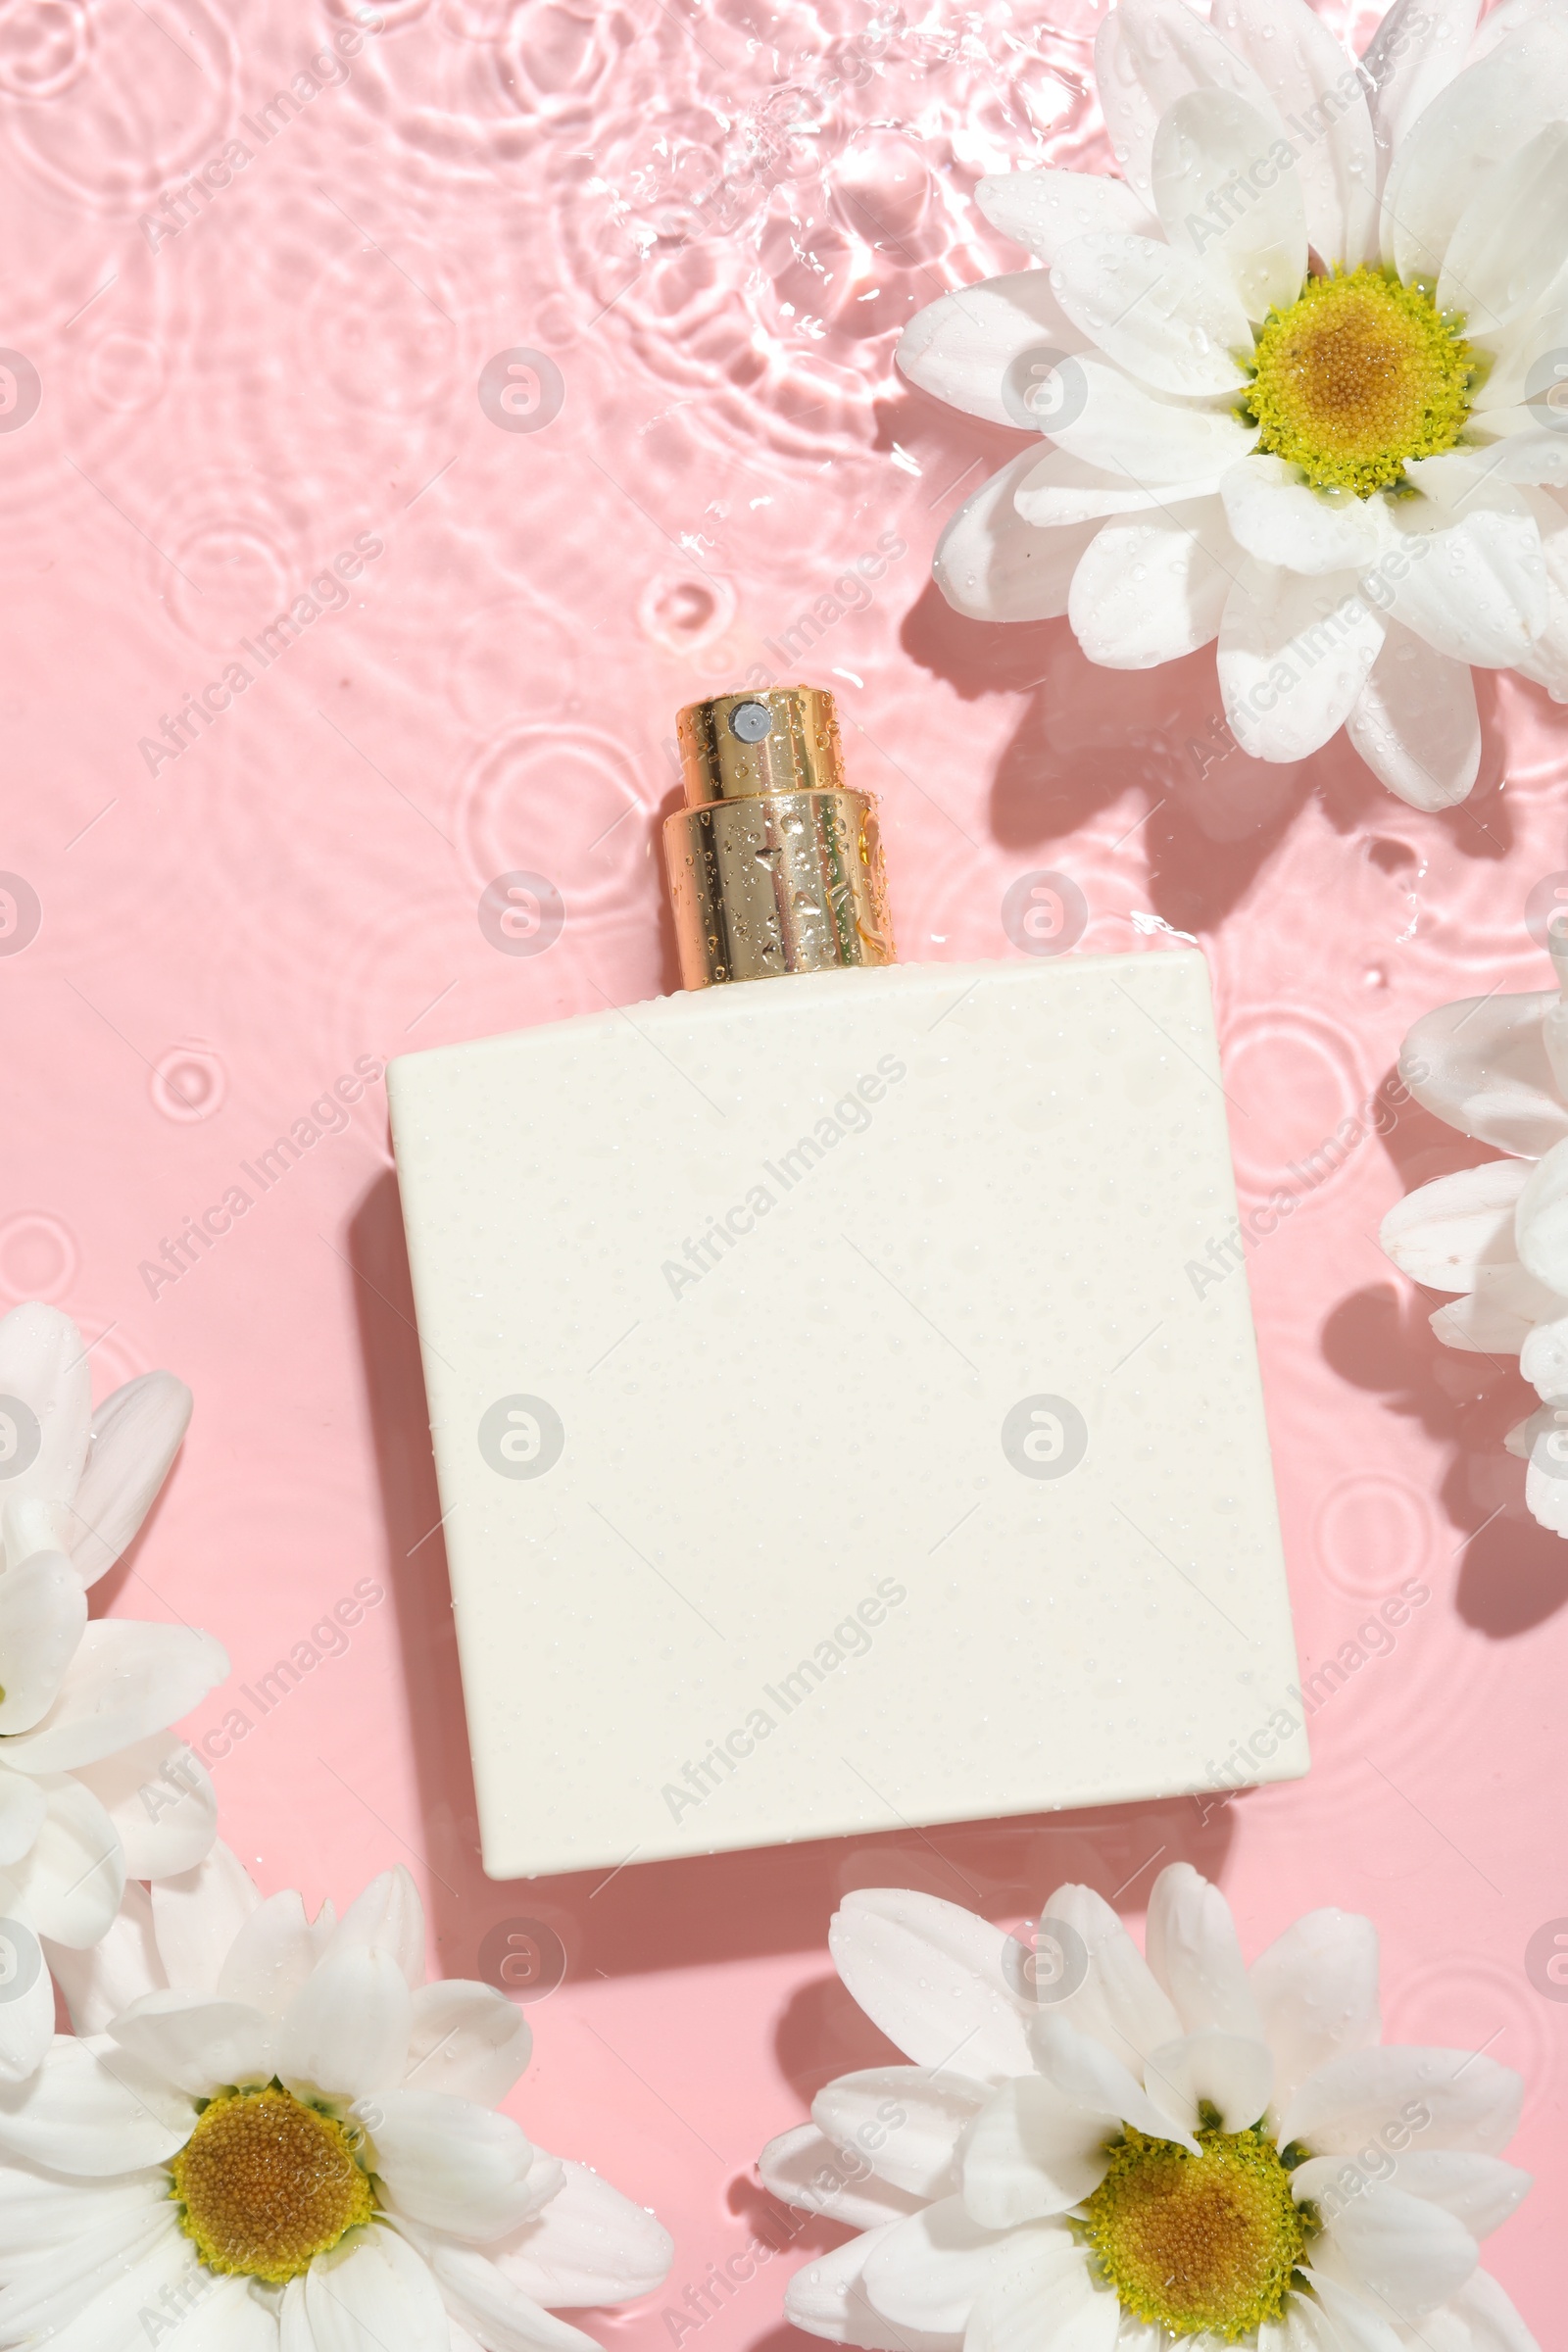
<point x="775" y="865"/>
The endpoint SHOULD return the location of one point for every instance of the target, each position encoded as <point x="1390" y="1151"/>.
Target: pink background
<point x="714" y="221"/>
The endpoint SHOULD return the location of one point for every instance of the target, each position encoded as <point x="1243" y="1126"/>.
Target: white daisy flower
<point x="1178" y="2151"/>
<point x="1496" y="1068"/>
<point x="83" y="1706"/>
<point x="1304" y="370"/>
<point x="273" y="2135"/>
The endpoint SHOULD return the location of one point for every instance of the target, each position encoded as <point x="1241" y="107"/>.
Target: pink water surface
<point x="712" y="223"/>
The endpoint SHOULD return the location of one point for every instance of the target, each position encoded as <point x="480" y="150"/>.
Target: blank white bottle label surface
<point x="831" y="1435"/>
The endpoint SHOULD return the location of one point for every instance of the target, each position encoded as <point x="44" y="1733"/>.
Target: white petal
<point x="1523" y="385"/>
<point x="1508" y="17"/>
<point x="1523" y="453"/>
<point x="1412" y="56"/>
<point x="92" y="2111"/>
<point x="1042" y="2298"/>
<point x="1506" y="247"/>
<point x="387" y="1917"/>
<point x="991" y="564"/>
<point x="1134" y="434"/>
<point x="1406" y="2255"/>
<point x="42" y="2296"/>
<point x="1475" y="581"/>
<point x="1478" y="2191"/>
<point x="466" y="2040"/>
<point x="1310" y="77"/>
<point x="1485" y="116"/>
<point x="1085" y="2072"/>
<point x="126" y="1680"/>
<point x="500" y="2315"/>
<point x="1540" y="1220"/>
<point x="160" y="1796"/>
<point x="27" y="2017"/>
<point x="43" y="1368"/>
<point x="960" y="347"/>
<point x="926" y="2272"/>
<point x="1543" y="1441"/>
<point x="930" y="1974"/>
<point x="197" y="1915"/>
<point x="826" y="2297"/>
<point x="1494" y="1319"/>
<point x="1473" y="2102"/>
<point x="136" y="1433"/>
<point x="42" y="2214"/>
<point x="1147" y="2336"/>
<point x="1209" y="140"/>
<point x="1547" y="660"/>
<point x="43" y="1609"/>
<point x="450" y="2164"/>
<point x="1227" y="2071"/>
<point x="1555" y="1017"/>
<point x="1549" y="1421"/>
<point x="1543" y="1358"/>
<point x="1339" y="2321"/>
<point x="1415" y="722"/>
<point x="1147" y="54"/>
<point x="1154" y="588"/>
<point x="119" y="1969"/>
<point x="1060" y="488"/>
<point x="93" y="2299"/>
<point x="916" y="2151"/>
<point x="198" y="2042"/>
<point x="804" y="2168"/>
<point x="1156" y="311"/>
<point x="274" y="1954"/>
<point x="1276" y="517"/>
<point x="1488" y="2318"/>
<point x="1443" y="1234"/>
<point x="1119" y="2003"/>
<point x="590" y="2245"/>
<point x="70" y="1884"/>
<point x="1548" y="666"/>
<point x="1481" y="1066"/>
<point x="1047" y="210"/>
<point x="1191" y="1942"/>
<point x="21" y="1812"/>
<point x="1317" y="1990"/>
<point x="346" y="2033"/>
<point x="1032" y="2153"/>
<point x="224" y="2315"/>
<point x="372" y="2292"/>
<point x="293" y="2326"/>
<point x="1295" y="653"/>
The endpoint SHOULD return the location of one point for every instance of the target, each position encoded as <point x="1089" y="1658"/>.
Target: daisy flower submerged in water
<point x="273" y="2135"/>
<point x="85" y="1798"/>
<point x="1496" y="1067"/>
<point x="1305" y="370"/>
<point x="1145" y="2153"/>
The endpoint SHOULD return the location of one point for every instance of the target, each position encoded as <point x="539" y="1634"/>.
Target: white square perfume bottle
<point x="830" y="1435"/>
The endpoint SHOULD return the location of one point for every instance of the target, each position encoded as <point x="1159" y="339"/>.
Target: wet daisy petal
<point x="258" y="2174"/>
<point x="1242" y="310"/>
<point x="1259" y="250"/>
<point x="1092" y="2220"/>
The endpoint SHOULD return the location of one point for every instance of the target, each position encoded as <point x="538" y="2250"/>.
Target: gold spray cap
<point x="775" y="865"/>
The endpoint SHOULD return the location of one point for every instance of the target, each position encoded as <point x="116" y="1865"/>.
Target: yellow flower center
<point x="267" y="2183"/>
<point x="1357" y="375"/>
<point x="1202" y="2244"/>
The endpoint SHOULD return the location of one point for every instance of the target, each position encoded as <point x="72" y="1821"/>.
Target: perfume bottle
<point x="830" y="1431"/>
